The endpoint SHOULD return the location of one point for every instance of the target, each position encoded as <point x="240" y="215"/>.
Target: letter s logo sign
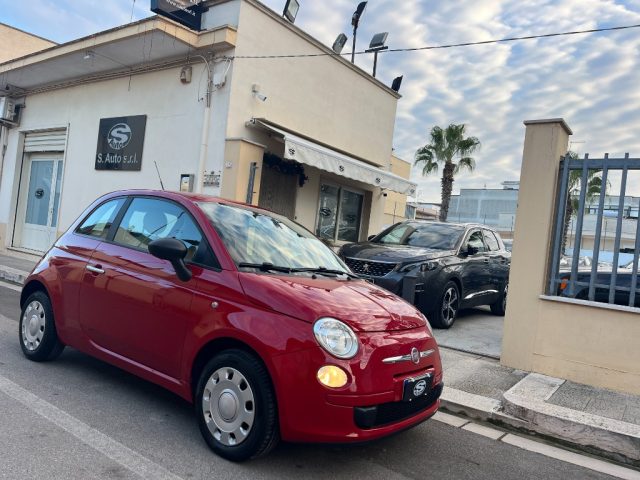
<point x="119" y="136"/>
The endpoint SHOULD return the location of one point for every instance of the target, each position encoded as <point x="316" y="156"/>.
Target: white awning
<point x="305" y="151"/>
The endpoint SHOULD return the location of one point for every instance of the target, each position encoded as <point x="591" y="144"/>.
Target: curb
<point x="614" y="439"/>
<point x="524" y="410"/>
<point x="13" y="275"/>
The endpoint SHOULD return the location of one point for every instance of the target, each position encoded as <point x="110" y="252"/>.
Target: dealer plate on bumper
<point x="416" y="387"/>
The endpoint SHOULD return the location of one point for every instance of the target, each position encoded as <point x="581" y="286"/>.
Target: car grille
<point x="369" y="268"/>
<point x="387" y="413"/>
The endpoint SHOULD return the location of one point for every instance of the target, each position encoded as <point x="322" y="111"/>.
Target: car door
<point x="498" y="265"/>
<point x="71" y="256"/>
<point x="475" y="272"/>
<point x="132" y="303"/>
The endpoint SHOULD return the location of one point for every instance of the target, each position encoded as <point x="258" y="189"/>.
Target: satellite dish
<point x="339" y="44"/>
<point x="397" y="83"/>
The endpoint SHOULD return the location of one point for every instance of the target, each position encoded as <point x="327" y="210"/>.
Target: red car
<point x="238" y="310"/>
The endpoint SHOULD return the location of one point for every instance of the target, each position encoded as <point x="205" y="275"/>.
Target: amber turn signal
<point x="332" y="376"/>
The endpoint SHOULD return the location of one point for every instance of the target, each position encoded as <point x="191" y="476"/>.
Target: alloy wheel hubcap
<point x="450" y="304"/>
<point x="33" y="325"/>
<point x="228" y="405"/>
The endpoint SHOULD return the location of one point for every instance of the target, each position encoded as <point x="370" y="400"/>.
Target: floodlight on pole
<point x="291" y="10"/>
<point x="397" y="83"/>
<point x="355" y="21"/>
<point x="376" y="46"/>
<point x="339" y="44"/>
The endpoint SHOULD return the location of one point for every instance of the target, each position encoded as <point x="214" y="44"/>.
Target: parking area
<point x="475" y="331"/>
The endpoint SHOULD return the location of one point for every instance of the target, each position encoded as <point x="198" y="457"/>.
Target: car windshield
<point x="427" y="235"/>
<point x="257" y="237"/>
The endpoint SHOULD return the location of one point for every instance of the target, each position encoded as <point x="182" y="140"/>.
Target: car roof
<point x="452" y="224"/>
<point x="192" y="197"/>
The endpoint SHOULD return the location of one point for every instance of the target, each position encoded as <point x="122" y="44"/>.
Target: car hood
<point x="363" y="306"/>
<point x="392" y="253"/>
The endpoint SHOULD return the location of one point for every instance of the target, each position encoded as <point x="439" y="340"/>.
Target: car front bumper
<point x="371" y="406"/>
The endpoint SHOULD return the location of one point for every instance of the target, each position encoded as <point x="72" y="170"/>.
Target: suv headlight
<point x="336" y="338"/>
<point x="422" y="266"/>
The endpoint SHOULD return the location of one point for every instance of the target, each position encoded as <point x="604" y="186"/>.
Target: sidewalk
<point x="15" y="270"/>
<point x="594" y="420"/>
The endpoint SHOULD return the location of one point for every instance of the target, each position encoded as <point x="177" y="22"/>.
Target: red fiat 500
<point x="238" y="310"/>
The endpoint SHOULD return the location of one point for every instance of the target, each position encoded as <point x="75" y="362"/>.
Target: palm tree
<point x="594" y="188"/>
<point x="451" y="148"/>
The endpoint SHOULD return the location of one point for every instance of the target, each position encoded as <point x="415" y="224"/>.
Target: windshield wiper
<point x="266" y="267"/>
<point x="324" y="271"/>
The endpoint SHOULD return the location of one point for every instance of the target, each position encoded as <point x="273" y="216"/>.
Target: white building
<point x="309" y="137"/>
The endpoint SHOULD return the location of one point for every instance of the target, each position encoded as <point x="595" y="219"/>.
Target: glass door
<point x="40" y="204"/>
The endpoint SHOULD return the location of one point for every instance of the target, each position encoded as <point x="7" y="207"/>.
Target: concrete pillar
<point x="239" y="155"/>
<point x="546" y="141"/>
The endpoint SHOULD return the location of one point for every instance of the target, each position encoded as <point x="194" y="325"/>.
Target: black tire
<point x="448" y="306"/>
<point x="263" y="433"/>
<point x="37" y="329"/>
<point x="499" y="308"/>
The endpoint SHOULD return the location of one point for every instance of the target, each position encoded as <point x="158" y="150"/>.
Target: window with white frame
<point x="339" y="213"/>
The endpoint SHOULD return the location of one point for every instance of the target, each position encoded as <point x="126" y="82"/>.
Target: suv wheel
<point x="500" y="306"/>
<point x="236" y="407"/>
<point x="449" y="304"/>
<point x="37" y="329"/>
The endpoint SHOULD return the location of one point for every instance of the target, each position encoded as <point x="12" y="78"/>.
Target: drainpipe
<point x="204" y="143"/>
<point x="4" y="134"/>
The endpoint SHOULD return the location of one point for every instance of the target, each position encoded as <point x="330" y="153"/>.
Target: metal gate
<point x="572" y="276"/>
<point x="278" y="191"/>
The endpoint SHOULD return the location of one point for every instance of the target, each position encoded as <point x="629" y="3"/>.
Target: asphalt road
<point x="80" y="418"/>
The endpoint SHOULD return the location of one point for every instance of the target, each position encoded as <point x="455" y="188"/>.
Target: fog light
<point x="332" y="376"/>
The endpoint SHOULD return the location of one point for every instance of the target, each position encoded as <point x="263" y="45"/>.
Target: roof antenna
<point x="158" y="170"/>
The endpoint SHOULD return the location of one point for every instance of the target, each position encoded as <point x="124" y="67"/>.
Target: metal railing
<point x="592" y="281"/>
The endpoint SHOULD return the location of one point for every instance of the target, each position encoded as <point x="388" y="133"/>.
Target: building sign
<point x="186" y="12"/>
<point x="120" y="143"/>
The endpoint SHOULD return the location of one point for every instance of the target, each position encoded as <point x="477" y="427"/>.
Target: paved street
<point x="80" y="418"/>
<point x="476" y="330"/>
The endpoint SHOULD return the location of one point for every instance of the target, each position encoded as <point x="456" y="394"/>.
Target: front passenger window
<point x="475" y="241"/>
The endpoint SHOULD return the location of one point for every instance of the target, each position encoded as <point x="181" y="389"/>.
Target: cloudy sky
<point x="593" y="81"/>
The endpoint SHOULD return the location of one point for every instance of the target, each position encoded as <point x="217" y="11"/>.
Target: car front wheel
<point x="448" y="307"/>
<point x="236" y="406"/>
<point x="38" y="336"/>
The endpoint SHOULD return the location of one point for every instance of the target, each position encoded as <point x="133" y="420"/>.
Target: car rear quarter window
<point x="97" y="224"/>
<point x="475" y="240"/>
<point x="492" y="241"/>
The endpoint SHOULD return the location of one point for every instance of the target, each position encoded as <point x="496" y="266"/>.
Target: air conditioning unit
<point x="7" y="110"/>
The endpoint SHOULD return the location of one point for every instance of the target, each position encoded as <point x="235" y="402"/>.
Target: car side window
<point x="492" y="241"/>
<point x="475" y="241"/>
<point x="149" y="219"/>
<point x="97" y="224"/>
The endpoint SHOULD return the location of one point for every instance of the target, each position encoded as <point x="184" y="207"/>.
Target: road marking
<point x="571" y="457"/>
<point x="104" y="444"/>
<point x="10" y="286"/>
<point x="485" y="431"/>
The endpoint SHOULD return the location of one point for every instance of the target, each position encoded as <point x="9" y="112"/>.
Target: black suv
<point x="440" y="267"/>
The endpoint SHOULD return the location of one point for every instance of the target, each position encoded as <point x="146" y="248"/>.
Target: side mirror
<point x="371" y="237"/>
<point x="175" y="252"/>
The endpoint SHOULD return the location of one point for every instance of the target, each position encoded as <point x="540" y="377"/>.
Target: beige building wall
<point x="15" y="43"/>
<point x="580" y="341"/>
<point x="240" y="154"/>
<point x="395" y="205"/>
<point x="324" y="98"/>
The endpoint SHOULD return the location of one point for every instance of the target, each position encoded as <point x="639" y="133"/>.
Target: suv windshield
<point x="257" y="237"/>
<point x="427" y="235"/>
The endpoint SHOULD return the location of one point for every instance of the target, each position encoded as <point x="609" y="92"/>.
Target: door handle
<point x="95" y="269"/>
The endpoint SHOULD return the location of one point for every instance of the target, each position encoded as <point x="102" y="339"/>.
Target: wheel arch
<point x="30" y="287"/>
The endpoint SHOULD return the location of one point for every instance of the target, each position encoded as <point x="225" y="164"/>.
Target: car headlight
<point x="423" y="266"/>
<point x="336" y="338"/>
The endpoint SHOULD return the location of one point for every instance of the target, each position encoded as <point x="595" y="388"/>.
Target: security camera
<point x="255" y="89"/>
<point x="261" y="97"/>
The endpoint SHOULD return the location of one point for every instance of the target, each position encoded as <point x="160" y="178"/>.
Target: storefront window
<point x="339" y="214"/>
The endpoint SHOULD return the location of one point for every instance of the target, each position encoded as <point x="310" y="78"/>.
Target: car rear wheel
<point x="236" y="406"/>
<point x="445" y="315"/>
<point x="499" y="308"/>
<point x="37" y="330"/>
